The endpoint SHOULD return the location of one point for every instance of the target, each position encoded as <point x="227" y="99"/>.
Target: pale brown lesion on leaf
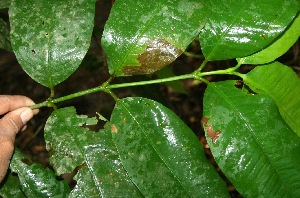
<point x="114" y="129"/>
<point x="158" y="54"/>
<point x="214" y="135"/>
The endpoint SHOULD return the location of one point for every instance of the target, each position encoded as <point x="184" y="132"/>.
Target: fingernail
<point x="26" y="115"/>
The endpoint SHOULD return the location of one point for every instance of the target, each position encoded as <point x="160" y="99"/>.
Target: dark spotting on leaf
<point x="244" y="87"/>
<point x="158" y="54"/>
<point x="239" y="84"/>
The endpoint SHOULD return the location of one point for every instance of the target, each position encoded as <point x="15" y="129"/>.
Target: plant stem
<point x="193" y="55"/>
<point x="106" y="87"/>
<point x="68" y="97"/>
<point x="202" y="65"/>
<point x="182" y="77"/>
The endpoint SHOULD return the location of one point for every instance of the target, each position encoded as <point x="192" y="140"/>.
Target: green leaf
<point x="50" y="38"/>
<point x="251" y="143"/>
<point x="72" y="145"/>
<point x="278" y="48"/>
<point x="141" y="37"/>
<point x="283" y="85"/>
<point x="4" y="36"/>
<point x="161" y="154"/>
<point x="4" y="3"/>
<point x="11" y="187"/>
<point x="37" y="181"/>
<point x="240" y="28"/>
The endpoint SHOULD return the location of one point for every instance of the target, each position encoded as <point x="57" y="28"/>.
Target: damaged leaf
<point x="36" y="181"/>
<point x="141" y="37"/>
<point x="213" y="135"/>
<point x="50" y="38"/>
<point x="158" y="54"/>
<point x="72" y="145"/>
<point x="253" y="140"/>
<point x="162" y="155"/>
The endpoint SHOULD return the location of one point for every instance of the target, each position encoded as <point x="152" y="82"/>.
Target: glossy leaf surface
<point x="141" y="37"/>
<point x="240" y="28"/>
<point x="71" y="144"/>
<point x="37" y="181"/>
<point x="50" y="38"/>
<point x="160" y="153"/>
<point x="283" y="85"/>
<point x="278" y="48"/>
<point x="4" y="36"/>
<point x="251" y="143"/>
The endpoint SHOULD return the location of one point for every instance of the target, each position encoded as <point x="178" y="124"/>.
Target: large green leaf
<point x="251" y="143"/>
<point x="4" y="36"/>
<point x="140" y="37"/>
<point x="37" y="181"/>
<point x="50" y="38"/>
<point x="278" y="48"/>
<point x="161" y="154"/>
<point x="101" y="173"/>
<point x="240" y="28"/>
<point x="283" y="85"/>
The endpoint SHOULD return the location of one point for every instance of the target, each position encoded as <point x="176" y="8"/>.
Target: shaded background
<point x="93" y="72"/>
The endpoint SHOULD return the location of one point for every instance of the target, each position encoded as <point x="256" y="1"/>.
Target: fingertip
<point x="35" y="111"/>
<point x="28" y="101"/>
<point x="26" y="115"/>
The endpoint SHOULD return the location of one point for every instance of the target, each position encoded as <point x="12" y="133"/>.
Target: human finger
<point x="10" y="103"/>
<point x="10" y="125"/>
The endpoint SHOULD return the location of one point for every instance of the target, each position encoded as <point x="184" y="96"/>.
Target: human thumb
<point x="10" y="125"/>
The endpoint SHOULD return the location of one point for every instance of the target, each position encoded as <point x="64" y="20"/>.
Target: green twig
<point x="202" y="66"/>
<point x="131" y="84"/>
<point x="193" y="55"/>
<point x="106" y="87"/>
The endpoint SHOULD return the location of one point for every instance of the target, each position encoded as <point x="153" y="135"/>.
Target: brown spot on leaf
<point x="214" y="135"/>
<point x="158" y="54"/>
<point x="81" y="166"/>
<point x="114" y="129"/>
<point x="205" y="120"/>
